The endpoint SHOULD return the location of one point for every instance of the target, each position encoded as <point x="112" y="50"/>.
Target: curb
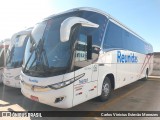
<point x="156" y="77"/>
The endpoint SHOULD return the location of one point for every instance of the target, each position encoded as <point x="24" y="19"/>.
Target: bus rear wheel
<point x="146" y="75"/>
<point x="106" y="90"/>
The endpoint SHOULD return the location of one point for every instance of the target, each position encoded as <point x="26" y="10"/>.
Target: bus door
<point x="87" y="73"/>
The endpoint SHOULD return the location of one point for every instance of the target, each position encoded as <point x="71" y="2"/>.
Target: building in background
<point x="156" y="64"/>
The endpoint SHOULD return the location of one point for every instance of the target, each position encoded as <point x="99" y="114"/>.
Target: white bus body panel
<point x="86" y="87"/>
<point x="90" y="85"/>
<point x="124" y="73"/>
<point x="81" y="90"/>
<point x="9" y="77"/>
<point x="49" y="96"/>
<point x="106" y="66"/>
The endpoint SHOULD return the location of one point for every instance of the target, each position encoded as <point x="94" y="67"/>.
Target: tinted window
<point x="55" y="56"/>
<point x="116" y="37"/>
<point x="16" y="52"/>
<point x="133" y="43"/>
<point x="113" y="37"/>
<point x="81" y="48"/>
<point x="127" y="40"/>
<point x="50" y="54"/>
<point x="99" y="19"/>
<point x="95" y="33"/>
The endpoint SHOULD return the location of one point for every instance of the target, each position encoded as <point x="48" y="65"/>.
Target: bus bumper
<point x="61" y="98"/>
<point x="11" y="77"/>
<point x="11" y="82"/>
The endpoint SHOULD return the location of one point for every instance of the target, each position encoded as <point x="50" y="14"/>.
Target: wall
<point x="156" y="64"/>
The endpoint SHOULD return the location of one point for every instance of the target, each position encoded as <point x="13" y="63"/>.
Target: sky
<point x="141" y="16"/>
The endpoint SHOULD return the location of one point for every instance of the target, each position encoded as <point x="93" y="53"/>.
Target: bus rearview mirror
<point x="67" y="24"/>
<point x="89" y="47"/>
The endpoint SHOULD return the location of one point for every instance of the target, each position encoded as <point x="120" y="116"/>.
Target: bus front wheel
<point x="106" y="90"/>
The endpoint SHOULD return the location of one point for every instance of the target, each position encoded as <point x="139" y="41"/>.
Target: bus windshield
<point x="45" y="54"/>
<point x="15" y="53"/>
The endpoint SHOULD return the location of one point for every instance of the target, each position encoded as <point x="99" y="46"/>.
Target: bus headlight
<point x="61" y="84"/>
<point x="65" y="83"/>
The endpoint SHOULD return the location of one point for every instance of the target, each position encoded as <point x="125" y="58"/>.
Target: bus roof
<point x="22" y="32"/>
<point x="103" y="13"/>
<point x="26" y="31"/>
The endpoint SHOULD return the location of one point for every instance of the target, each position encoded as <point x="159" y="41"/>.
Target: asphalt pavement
<point x="138" y="96"/>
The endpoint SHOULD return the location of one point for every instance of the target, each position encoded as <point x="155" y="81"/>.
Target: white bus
<point x="4" y="44"/>
<point x="112" y="56"/>
<point x="14" y="58"/>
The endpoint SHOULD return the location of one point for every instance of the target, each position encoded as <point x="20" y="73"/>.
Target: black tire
<point x="146" y="76"/>
<point x="106" y="90"/>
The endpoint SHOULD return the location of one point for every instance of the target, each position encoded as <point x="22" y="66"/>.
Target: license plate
<point x="34" y="98"/>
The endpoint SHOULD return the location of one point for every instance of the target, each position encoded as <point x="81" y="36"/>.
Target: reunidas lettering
<point x="35" y="81"/>
<point x="123" y="58"/>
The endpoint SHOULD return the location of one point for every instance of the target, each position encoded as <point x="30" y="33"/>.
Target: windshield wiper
<point x="40" y="53"/>
<point x="32" y="49"/>
<point x="11" y="53"/>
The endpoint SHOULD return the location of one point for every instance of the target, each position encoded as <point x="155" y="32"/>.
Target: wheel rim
<point x="106" y="89"/>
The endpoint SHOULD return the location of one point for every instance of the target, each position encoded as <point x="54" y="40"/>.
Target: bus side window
<point x="81" y="53"/>
<point x="81" y="48"/>
<point x="113" y="37"/>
